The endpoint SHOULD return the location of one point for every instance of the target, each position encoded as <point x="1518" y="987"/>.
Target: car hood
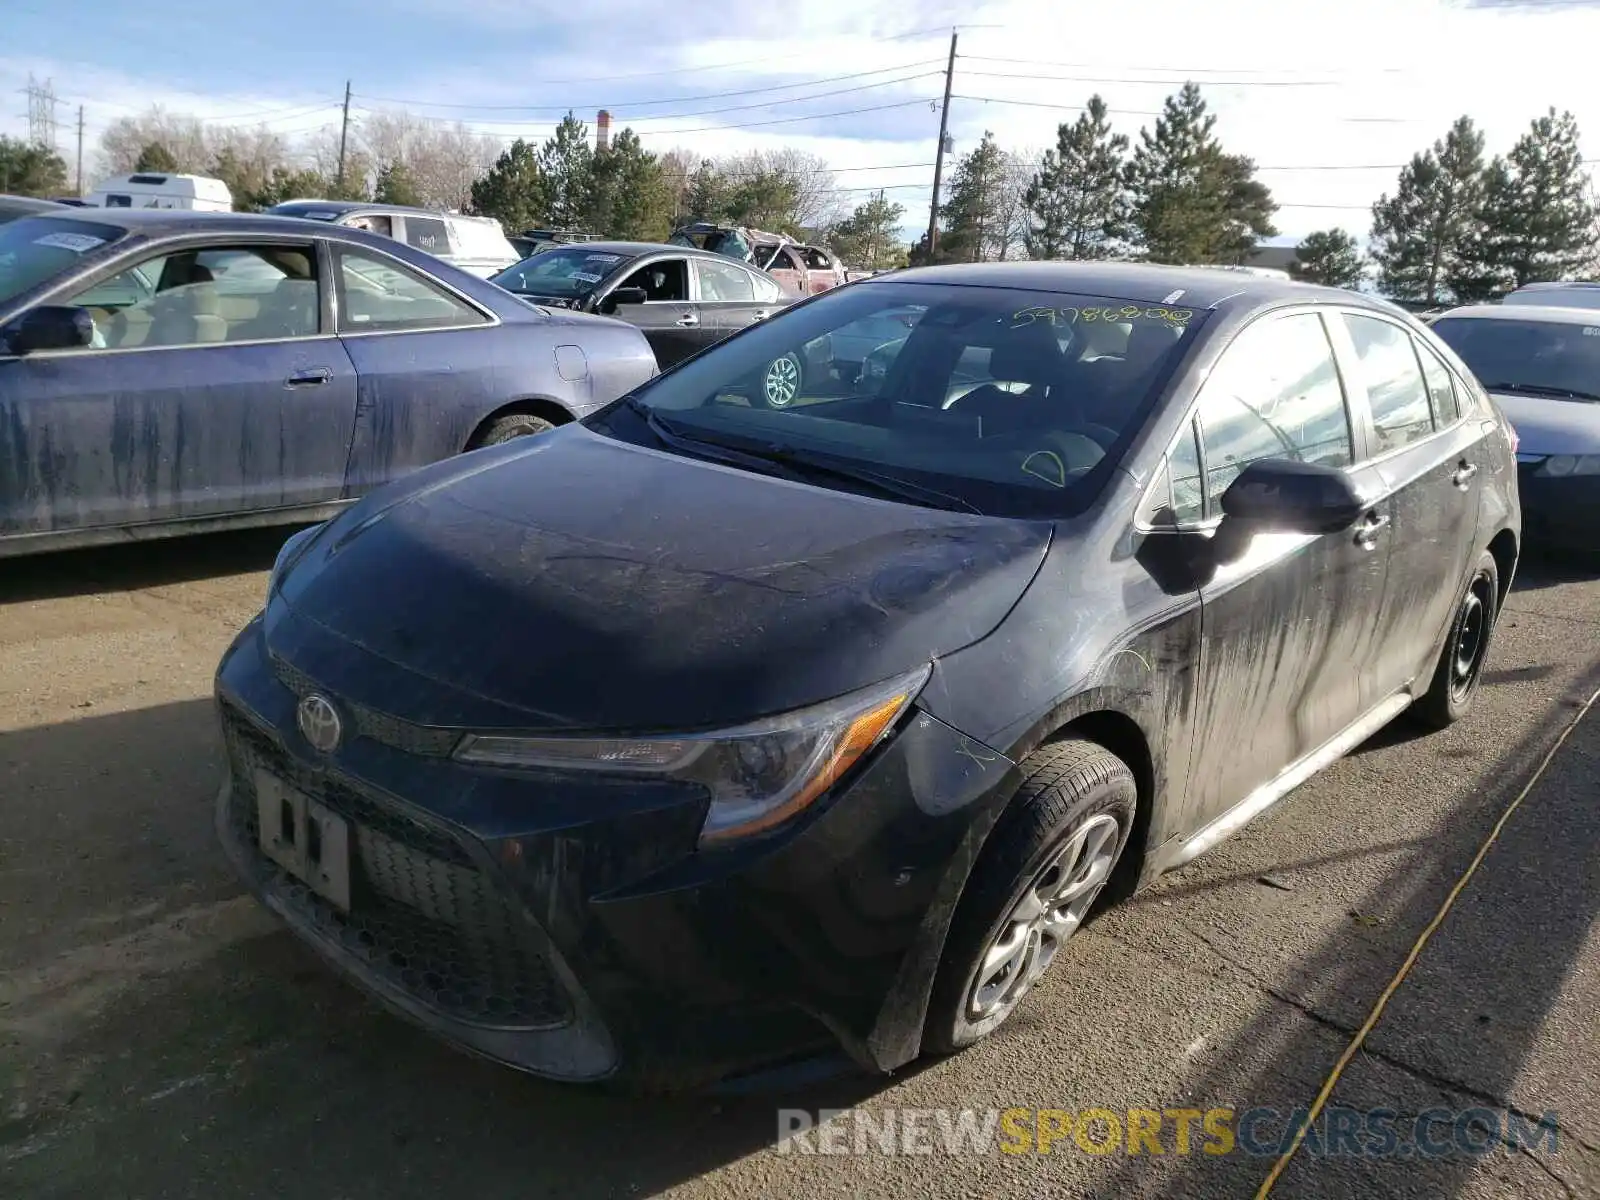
<point x="1549" y="426"/>
<point x="572" y="581"/>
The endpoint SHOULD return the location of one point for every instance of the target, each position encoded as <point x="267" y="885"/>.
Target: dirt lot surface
<point x="160" y="1036"/>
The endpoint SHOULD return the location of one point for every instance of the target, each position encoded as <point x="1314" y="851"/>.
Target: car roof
<point x="30" y="204"/>
<point x="1573" y="284"/>
<point x="639" y="249"/>
<point x="348" y="206"/>
<point x="1553" y="314"/>
<point x="170" y="222"/>
<point x="1147" y="283"/>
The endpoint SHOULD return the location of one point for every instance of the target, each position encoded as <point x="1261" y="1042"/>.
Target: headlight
<point x="288" y="556"/>
<point x="1561" y="465"/>
<point x="759" y="775"/>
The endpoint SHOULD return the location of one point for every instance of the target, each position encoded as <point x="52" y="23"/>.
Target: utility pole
<point x="80" y="151"/>
<point x="344" y="135"/>
<point x="938" y="158"/>
<point x="872" y="250"/>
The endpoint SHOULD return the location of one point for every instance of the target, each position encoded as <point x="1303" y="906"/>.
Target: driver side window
<point x="1275" y="393"/>
<point x="663" y="281"/>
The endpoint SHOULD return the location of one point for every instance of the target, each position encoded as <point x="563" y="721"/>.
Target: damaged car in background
<point x="167" y="372"/>
<point x="698" y="735"/>
<point x="800" y="268"/>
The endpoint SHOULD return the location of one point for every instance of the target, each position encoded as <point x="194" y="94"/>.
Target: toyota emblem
<point x="319" y="723"/>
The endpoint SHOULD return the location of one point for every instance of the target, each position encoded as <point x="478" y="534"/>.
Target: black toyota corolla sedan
<point x="699" y="735"/>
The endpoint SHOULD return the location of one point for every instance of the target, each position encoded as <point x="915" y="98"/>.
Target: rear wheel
<point x="512" y="425"/>
<point x="1460" y="668"/>
<point x="1044" y="867"/>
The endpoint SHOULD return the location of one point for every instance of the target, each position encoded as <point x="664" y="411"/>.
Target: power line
<point x="1159" y="82"/>
<point x="631" y="104"/>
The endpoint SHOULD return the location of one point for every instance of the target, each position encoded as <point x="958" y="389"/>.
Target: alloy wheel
<point x="781" y="386"/>
<point x="1045" y="914"/>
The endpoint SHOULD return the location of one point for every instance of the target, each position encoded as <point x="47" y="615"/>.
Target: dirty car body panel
<point x="728" y="568"/>
<point x="256" y="370"/>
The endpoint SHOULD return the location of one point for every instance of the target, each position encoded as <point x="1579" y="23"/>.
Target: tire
<point x="781" y="381"/>
<point x="1076" y="796"/>
<point x="1460" y="668"/>
<point x="512" y="425"/>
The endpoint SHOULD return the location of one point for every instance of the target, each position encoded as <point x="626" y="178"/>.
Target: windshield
<point x="564" y="272"/>
<point x="36" y="249"/>
<point x="1008" y="402"/>
<point x="1550" y="356"/>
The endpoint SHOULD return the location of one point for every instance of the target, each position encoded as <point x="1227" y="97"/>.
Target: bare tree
<point x="1007" y="237"/>
<point x="813" y="197"/>
<point x="125" y="139"/>
<point x="442" y="160"/>
<point x="677" y="166"/>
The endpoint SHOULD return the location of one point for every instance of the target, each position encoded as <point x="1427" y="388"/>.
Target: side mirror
<point x="1293" y="497"/>
<point x="51" y="327"/>
<point x="624" y="295"/>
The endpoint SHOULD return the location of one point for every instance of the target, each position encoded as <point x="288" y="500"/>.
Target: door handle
<point x="689" y="320"/>
<point x="1464" y="474"/>
<point x="1367" y="532"/>
<point x="310" y="377"/>
<point x="762" y="315"/>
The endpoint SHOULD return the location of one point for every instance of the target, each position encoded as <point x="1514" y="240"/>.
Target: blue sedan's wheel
<point x="780" y="385"/>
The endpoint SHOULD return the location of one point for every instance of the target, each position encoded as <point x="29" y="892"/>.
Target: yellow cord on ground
<point x="1393" y="985"/>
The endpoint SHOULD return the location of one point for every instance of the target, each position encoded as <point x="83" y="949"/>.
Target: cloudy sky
<point x="1328" y="97"/>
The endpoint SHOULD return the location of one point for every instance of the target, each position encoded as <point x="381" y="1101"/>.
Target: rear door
<point x="732" y="297"/>
<point x="198" y="400"/>
<point x="669" y="318"/>
<point x="1432" y="466"/>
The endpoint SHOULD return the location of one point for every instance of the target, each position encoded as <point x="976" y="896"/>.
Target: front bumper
<point x="1561" y="513"/>
<point x="571" y="929"/>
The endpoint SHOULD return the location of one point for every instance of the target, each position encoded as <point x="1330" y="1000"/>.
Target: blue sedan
<point x="171" y="372"/>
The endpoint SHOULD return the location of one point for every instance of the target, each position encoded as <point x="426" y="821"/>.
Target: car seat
<point x="1030" y="356"/>
<point x="188" y="313"/>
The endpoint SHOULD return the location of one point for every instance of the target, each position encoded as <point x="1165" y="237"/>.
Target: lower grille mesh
<point x="422" y="916"/>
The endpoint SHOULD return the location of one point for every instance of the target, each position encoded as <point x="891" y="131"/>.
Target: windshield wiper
<point x="808" y="463"/>
<point x="794" y="463"/>
<point x="1539" y="389"/>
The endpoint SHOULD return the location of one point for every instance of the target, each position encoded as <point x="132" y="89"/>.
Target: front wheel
<point x="1045" y="865"/>
<point x="780" y="383"/>
<point x="1460" y="668"/>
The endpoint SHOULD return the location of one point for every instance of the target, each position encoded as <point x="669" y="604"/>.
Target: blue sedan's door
<point x="426" y="359"/>
<point x="215" y="396"/>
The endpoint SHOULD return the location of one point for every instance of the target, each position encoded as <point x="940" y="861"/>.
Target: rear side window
<point x="1401" y="414"/>
<point x="1275" y="393"/>
<point x="380" y="295"/>
<point x="425" y="233"/>
<point x="1441" y="389"/>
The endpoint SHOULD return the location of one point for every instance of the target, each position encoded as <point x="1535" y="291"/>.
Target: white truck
<point x="155" y="189"/>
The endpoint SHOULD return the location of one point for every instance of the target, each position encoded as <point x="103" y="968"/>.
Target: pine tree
<point x="1192" y="202"/>
<point x="1539" y="220"/>
<point x="1330" y="257"/>
<point x="1427" y="235"/>
<point x="513" y="190"/>
<point x="30" y="170"/>
<point x="156" y="157"/>
<point x="706" y="198"/>
<point x="1078" y="200"/>
<point x="628" y="193"/>
<point x="566" y="162"/>
<point x="395" y="185"/>
<point x="870" y="236"/>
<point x="972" y="213"/>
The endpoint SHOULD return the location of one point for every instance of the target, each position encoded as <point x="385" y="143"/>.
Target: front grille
<point x="370" y="723"/>
<point x="423" y="916"/>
